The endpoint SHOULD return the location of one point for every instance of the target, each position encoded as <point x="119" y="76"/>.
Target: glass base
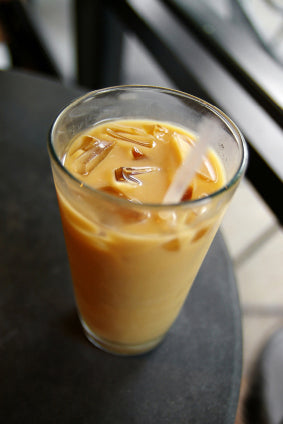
<point x="119" y="348"/>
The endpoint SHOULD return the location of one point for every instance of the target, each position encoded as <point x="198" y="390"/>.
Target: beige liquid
<point x="132" y="269"/>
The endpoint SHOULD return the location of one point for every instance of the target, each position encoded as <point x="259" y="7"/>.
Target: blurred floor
<point x="253" y="237"/>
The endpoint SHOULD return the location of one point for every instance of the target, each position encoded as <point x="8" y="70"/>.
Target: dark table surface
<point x="49" y="372"/>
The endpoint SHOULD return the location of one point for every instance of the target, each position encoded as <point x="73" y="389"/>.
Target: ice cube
<point x="132" y="135"/>
<point x="188" y="194"/>
<point x="84" y="143"/>
<point x="127" y="129"/>
<point x="161" y="133"/>
<point x="137" y="154"/>
<point x="128" y="215"/>
<point x="199" y="234"/>
<point x="127" y="174"/>
<point x="90" y="155"/>
<point x="184" y="143"/>
<point x="184" y="139"/>
<point x="207" y="172"/>
<point x="172" y="245"/>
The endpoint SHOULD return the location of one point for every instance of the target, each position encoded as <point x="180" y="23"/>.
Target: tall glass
<point x="130" y="276"/>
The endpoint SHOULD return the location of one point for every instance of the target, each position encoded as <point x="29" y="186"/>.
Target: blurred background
<point x="253" y="235"/>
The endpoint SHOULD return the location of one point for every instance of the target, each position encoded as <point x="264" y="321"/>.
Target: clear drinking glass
<point x="131" y="279"/>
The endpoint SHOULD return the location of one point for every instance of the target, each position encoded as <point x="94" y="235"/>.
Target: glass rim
<point x="235" y="131"/>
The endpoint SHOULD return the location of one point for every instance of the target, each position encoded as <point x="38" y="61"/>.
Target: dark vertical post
<point x="99" y="44"/>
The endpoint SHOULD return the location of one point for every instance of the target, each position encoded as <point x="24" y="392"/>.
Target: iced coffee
<point x="133" y="258"/>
